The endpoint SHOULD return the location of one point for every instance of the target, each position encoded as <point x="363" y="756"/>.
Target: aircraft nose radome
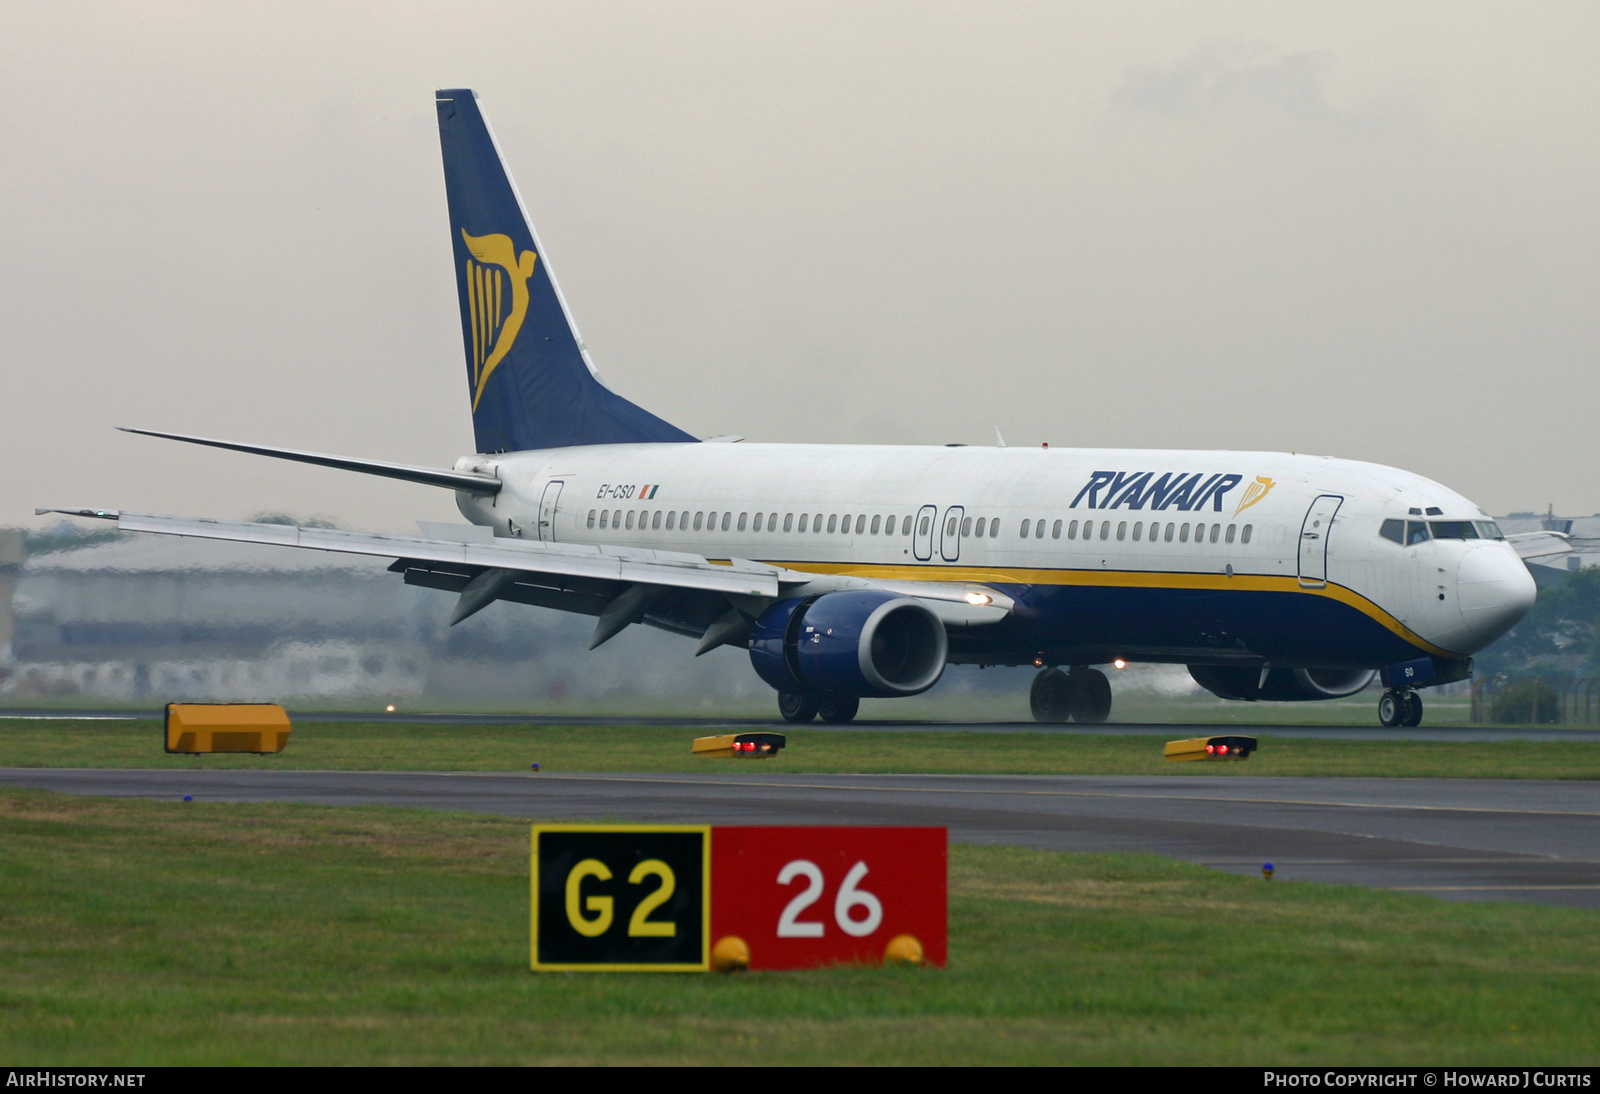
<point x="1495" y="589"/>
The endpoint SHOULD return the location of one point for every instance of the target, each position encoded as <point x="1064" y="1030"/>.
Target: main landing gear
<point x="1400" y="707"/>
<point x="1082" y="695"/>
<point x="835" y="710"/>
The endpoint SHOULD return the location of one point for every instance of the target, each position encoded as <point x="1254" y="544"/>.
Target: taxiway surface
<point x="1366" y="732"/>
<point x="1463" y="839"/>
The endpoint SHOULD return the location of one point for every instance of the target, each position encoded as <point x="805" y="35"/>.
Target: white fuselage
<point x="1198" y="523"/>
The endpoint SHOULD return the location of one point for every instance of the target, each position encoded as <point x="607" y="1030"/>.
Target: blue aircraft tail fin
<point x="529" y="376"/>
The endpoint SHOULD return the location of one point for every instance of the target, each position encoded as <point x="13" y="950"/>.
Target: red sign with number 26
<point x="807" y="896"/>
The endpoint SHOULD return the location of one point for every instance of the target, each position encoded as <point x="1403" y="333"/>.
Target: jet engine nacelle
<point x="1283" y="685"/>
<point x="859" y="642"/>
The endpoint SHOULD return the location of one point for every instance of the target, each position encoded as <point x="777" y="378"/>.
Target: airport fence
<point x="1536" y="700"/>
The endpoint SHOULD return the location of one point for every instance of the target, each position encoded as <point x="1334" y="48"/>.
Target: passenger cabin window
<point x="1416" y="532"/>
<point x="1072" y="530"/>
<point x="876" y="522"/>
<point x="1394" y="530"/>
<point x="655" y="521"/>
<point x="804" y="517"/>
<point x="742" y="517"/>
<point x="924" y="527"/>
<point x="725" y="518"/>
<point x="1025" y="525"/>
<point x="1105" y="529"/>
<point x="1122" y="530"/>
<point x="1055" y="530"/>
<point x="1244" y="536"/>
<point x="788" y="521"/>
<point x="861" y="524"/>
<point x="1138" y="527"/>
<point x="591" y="518"/>
<point x="1232" y="528"/>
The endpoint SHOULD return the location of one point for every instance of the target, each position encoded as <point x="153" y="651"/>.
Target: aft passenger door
<point x="547" y="511"/>
<point x="922" y="534"/>
<point x="950" y="533"/>
<point x="1314" y="533"/>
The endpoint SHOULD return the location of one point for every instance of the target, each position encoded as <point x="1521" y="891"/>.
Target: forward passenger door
<point x="1314" y="533"/>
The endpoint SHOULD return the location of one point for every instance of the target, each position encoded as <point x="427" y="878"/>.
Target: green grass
<point x="144" y="933"/>
<point x="392" y="746"/>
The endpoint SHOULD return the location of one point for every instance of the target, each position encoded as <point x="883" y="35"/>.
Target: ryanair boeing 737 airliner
<point x="850" y="571"/>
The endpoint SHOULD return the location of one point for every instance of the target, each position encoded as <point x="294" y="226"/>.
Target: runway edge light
<point x="226" y="727"/>
<point x="1231" y="747"/>
<point x="744" y="746"/>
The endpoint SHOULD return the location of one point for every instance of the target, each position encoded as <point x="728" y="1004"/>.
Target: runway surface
<point x="1170" y="730"/>
<point x="1459" y="839"/>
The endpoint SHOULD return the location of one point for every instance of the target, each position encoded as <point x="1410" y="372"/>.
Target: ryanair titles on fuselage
<point x="1184" y="491"/>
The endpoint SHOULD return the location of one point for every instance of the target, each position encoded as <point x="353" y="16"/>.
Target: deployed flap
<point x="529" y="376"/>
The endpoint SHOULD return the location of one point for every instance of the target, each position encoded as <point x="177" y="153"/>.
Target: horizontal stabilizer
<point x="467" y="481"/>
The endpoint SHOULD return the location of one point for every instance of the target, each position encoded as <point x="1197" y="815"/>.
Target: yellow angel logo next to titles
<point x="494" y="263"/>
<point x="1254" y="493"/>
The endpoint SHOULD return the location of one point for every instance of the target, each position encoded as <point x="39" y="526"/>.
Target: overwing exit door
<point x="922" y="534"/>
<point x="950" y="533"/>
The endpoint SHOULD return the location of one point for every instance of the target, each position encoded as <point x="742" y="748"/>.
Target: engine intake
<point x="1282" y="685"/>
<point x="863" y="643"/>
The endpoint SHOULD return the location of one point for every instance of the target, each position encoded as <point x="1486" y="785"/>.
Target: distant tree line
<point x="1560" y="635"/>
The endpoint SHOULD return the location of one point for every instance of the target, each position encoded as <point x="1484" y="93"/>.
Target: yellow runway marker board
<point x="226" y="727"/>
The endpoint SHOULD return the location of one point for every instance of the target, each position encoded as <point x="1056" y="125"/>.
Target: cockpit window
<point x="1416" y="532"/>
<point x="1453" y="529"/>
<point x="1394" y="530"/>
<point x="1488" y="529"/>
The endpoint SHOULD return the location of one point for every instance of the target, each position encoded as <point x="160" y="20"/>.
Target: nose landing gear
<point x="1400" y="707"/>
<point x="1083" y="695"/>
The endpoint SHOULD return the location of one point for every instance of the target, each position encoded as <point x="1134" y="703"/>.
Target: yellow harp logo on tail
<point x="1254" y="493"/>
<point x="494" y="264"/>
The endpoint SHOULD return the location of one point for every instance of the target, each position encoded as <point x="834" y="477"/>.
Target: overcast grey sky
<point x="1367" y="230"/>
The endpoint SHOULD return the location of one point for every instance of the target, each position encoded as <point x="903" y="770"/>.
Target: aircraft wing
<point x="620" y="585"/>
<point x="1539" y="544"/>
<point x="565" y="559"/>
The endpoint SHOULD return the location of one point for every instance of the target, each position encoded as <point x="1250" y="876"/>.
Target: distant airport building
<point x="1582" y="533"/>
<point x="152" y="619"/>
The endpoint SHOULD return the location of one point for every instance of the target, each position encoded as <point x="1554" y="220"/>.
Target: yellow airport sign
<point x="1230" y="747"/>
<point x="226" y="727"/>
